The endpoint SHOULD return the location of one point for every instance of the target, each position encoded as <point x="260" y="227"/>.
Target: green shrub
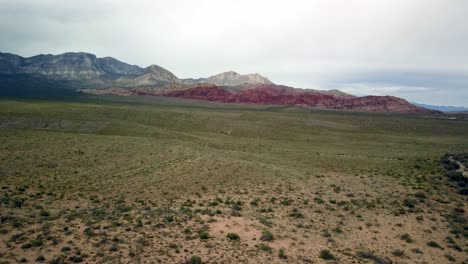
<point x="37" y="242"/>
<point x="44" y="213"/>
<point x="433" y="244"/>
<point x="233" y="236"/>
<point x="88" y="232"/>
<point x="282" y="254"/>
<point x="296" y="213"/>
<point x="406" y="237"/>
<point x="326" y="254"/>
<point x="398" y="253"/>
<point x="370" y="255"/>
<point x="265" y="247"/>
<point x="410" y="203"/>
<point x="195" y="260"/>
<point x="266" y="236"/>
<point x="203" y="235"/>
<point x="450" y="258"/>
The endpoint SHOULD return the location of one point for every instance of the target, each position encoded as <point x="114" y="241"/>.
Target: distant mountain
<point x="83" y="70"/>
<point x="272" y="94"/>
<point x="152" y="76"/>
<point x="443" y="108"/>
<point x="284" y="95"/>
<point x="67" y="66"/>
<point x="232" y="78"/>
<point x="50" y="75"/>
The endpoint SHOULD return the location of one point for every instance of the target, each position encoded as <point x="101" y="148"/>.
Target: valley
<point x="154" y="179"/>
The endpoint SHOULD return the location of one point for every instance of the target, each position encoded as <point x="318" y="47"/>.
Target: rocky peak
<point x="234" y="78"/>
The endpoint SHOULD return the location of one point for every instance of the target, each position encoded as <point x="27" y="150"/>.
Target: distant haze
<point x="412" y="49"/>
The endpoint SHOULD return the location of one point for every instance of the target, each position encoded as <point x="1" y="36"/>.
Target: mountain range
<point x="443" y="108"/>
<point x="85" y="72"/>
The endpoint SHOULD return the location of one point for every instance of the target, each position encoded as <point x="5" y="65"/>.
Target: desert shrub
<point x="451" y="166"/>
<point x="420" y="195"/>
<point x="296" y="213"/>
<point x="213" y="203"/>
<point x="265" y="247"/>
<point x="26" y="246"/>
<point x="254" y="202"/>
<point x="58" y="260"/>
<point x="371" y="256"/>
<point x="88" y="232"/>
<point x="433" y="244"/>
<point x="236" y="207"/>
<point x="450" y="257"/>
<point x="18" y="202"/>
<point x="37" y="242"/>
<point x="456" y="176"/>
<point x="326" y="233"/>
<point x="264" y="221"/>
<point x="287" y="201"/>
<point x="76" y="259"/>
<point x="337" y="230"/>
<point x="406" y="237"/>
<point x="410" y="203"/>
<point x="398" y="253"/>
<point x="114" y="248"/>
<point x="65" y="249"/>
<point x="233" y="236"/>
<point x="318" y="200"/>
<point x="326" y="254"/>
<point x="266" y="236"/>
<point x="195" y="260"/>
<point x="282" y="254"/>
<point x="173" y="246"/>
<point x="169" y="218"/>
<point x="44" y="213"/>
<point x="203" y="234"/>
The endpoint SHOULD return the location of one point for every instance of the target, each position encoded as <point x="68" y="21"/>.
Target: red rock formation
<point x="271" y="94"/>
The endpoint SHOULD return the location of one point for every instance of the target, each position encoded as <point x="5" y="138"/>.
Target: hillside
<point x="271" y="94"/>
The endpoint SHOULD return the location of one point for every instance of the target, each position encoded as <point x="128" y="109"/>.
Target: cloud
<point x="316" y="44"/>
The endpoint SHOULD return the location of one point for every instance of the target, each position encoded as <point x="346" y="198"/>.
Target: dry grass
<point x="164" y="182"/>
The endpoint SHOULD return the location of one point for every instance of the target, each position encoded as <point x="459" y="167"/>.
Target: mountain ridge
<point x="443" y="108"/>
<point x="81" y="71"/>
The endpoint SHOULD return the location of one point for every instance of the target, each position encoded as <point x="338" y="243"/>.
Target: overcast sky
<point x="415" y="49"/>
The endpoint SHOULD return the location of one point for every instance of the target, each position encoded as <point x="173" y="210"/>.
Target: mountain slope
<point x="283" y="95"/>
<point x="86" y="70"/>
<point x="443" y="108"/>
<point x="232" y="78"/>
<point x="67" y="66"/>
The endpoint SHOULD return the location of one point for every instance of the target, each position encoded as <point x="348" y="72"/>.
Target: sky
<point x="415" y="49"/>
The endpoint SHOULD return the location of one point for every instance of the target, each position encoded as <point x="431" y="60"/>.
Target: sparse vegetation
<point x="195" y="260"/>
<point x="433" y="244"/>
<point x="266" y="236"/>
<point x="326" y="254"/>
<point x="406" y="237"/>
<point x="233" y="236"/>
<point x="119" y="181"/>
